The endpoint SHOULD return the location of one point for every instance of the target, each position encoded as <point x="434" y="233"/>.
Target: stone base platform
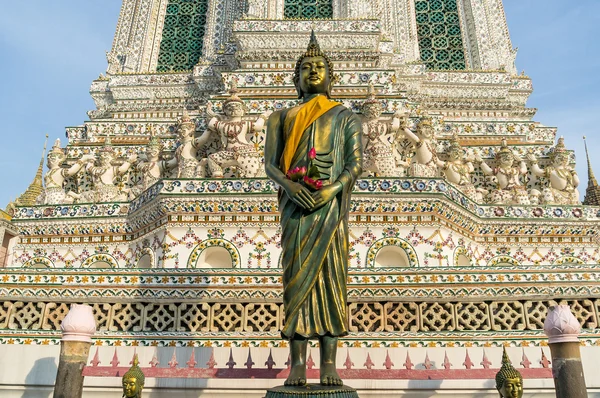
<point x="312" y="391"/>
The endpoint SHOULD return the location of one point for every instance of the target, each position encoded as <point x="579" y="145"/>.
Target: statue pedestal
<point x="312" y="391"/>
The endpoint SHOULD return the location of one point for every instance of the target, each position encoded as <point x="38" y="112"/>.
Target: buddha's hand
<point x="326" y="194"/>
<point x="299" y="194"/>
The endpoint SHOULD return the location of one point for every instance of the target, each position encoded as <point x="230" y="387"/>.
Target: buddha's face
<point x="512" y="388"/>
<point x="371" y="110"/>
<point x="234" y="109"/>
<point x="131" y="389"/>
<point x="314" y="75"/>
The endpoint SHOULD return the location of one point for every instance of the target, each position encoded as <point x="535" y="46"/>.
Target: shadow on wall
<point x="416" y="390"/>
<point x="43" y="373"/>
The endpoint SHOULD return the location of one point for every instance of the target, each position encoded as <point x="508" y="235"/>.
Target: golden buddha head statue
<point x="133" y="381"/>
<point x="509" y="381"/>
<point x="313" y="73"/>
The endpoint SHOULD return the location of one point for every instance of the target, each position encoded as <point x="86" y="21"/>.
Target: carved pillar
<point x="403" y="28"/>
<point x="78" y="327"/>
<point x="154" y="36"/>
<point x="340" y="9"/>
<point x="562" y="329"/>
<point x="275" y="9"/>
<point x="500" y="37"/>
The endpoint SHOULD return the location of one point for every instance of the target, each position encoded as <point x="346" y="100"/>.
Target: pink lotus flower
<point x="314" y="184"/>
<point x="296" y="173"/>
<point x="312" y="154"/>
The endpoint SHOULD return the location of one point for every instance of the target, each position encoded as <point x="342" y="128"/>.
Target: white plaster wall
<point x="29" y="371"/>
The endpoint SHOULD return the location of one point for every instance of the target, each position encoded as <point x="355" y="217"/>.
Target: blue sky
<point x="52" y="50"/>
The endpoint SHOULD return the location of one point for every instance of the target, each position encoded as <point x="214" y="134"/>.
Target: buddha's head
<point x="314" y="71"/>
<point x="509" y="381"/>
<point x="133" y="381"/>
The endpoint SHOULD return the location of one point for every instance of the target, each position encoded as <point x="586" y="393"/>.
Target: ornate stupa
<point x="176" y="247"/>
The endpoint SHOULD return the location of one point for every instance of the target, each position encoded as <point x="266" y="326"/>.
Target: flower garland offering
<point x="307" y="175"/>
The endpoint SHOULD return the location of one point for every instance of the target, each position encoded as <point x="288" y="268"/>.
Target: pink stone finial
<point x="79" y="324"/>
<point x="561" y="326"/>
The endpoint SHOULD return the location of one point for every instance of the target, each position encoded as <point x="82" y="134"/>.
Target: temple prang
<point x="465" y="225"/>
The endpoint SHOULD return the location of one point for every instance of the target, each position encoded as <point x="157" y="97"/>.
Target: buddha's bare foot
<point x="297" y="376"/>
<point x="329" y="376"/>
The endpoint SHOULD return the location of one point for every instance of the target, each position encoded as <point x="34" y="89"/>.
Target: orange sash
<point x="305" y="115"/>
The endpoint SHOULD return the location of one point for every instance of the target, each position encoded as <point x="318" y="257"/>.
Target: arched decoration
<point x="145" y="259"/>
<point x="462" y="257"/>
<point x="39" y="262"/>
<point x="103" y="260"/>
<point x="409" y="251"/>
<point x="208" y="250"/>
<point x="568" y="260"/>
<point x="502" y="260"/>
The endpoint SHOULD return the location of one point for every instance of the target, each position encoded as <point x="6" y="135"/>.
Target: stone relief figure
<point x="562" y="178"/>
<point x="103" y="175"/>
<point x="54" y="179"/>
<point x="381" y="157"/>
<point x="151" y="169"/>
<point x="458" y="169"/>
<point x="507" y="172"/>
<point x="426" y="162"/>
<point x="236" y="151"/>
<point x="133" y="381"/>
<point x="509" y="381"/>
<point x="314" y="153"/>
<point x="188" y="166"/>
